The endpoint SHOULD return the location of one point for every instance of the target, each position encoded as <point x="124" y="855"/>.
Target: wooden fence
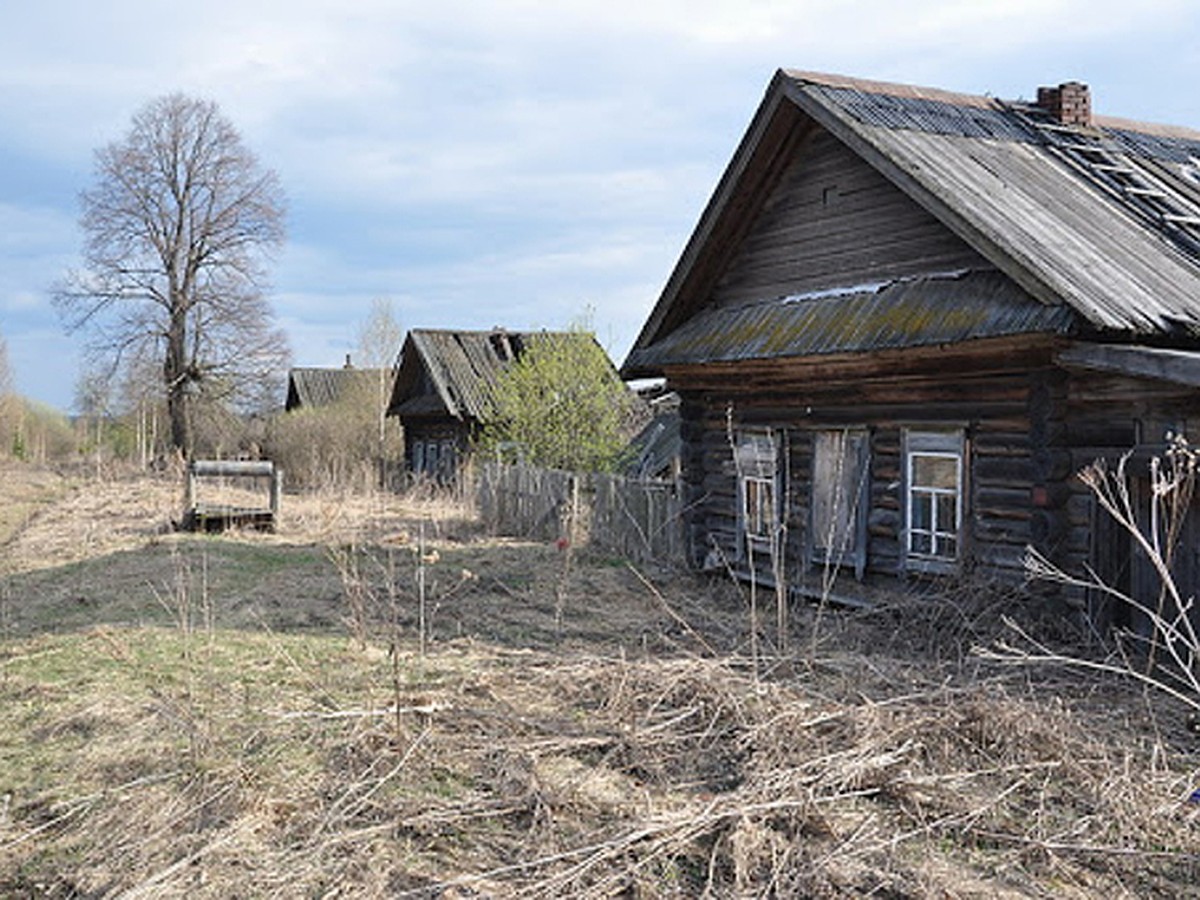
<point x="640" y="519"/>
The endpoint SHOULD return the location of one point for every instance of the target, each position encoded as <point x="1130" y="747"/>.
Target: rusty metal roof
<point x="314" y="387"/>
<point x="451" y="373"/>
<point x="912" y="312"/>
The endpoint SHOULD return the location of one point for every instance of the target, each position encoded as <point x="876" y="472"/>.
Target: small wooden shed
<point x="908" y="317"/>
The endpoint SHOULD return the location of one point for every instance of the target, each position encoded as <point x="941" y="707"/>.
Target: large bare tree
<point x="178" y="227"/>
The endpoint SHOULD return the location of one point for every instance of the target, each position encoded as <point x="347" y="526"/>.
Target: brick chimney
<point x="1070" y="103"/>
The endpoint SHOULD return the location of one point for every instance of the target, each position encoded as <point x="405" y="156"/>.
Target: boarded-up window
<point x="756" y="460"/>
<point x="933" y="472"/>
<point x="838" y="514"/>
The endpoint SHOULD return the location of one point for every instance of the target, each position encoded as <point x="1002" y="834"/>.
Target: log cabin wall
<point x="1030" y="427"/>
<point x="449" y="438"/>
<point x="1007" y="399"/>
<point x="1108" y="417"/>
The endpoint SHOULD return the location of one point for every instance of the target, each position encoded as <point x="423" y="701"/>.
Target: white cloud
<point x="503" y="161"/>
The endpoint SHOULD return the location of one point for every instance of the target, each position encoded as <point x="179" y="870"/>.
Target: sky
<point x="496" y="162"/>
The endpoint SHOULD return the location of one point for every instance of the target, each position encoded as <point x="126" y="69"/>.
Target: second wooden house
<point x="442" y="393"/>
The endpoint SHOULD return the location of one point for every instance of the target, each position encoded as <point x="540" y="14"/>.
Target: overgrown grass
<point x="291" y="586"/>
<point x="210" y="724"/>
<point x="27" y="490"/>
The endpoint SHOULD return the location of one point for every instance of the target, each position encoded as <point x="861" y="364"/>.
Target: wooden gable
<point x="831" y="220"/>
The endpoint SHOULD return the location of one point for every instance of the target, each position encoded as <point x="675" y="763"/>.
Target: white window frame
<point x="945" y="544"/>
<point x="756" y="461"/>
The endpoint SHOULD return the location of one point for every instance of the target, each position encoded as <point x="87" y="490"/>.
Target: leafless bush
<point x="1165" y="658"/>
<point x="332" y="447"/>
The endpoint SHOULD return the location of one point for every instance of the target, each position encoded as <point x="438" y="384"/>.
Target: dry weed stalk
<point x="1172" y="647"/>
<point x="745" y="787"/>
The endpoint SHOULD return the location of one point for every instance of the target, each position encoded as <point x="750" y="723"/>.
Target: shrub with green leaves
<point x="561" y="405"/>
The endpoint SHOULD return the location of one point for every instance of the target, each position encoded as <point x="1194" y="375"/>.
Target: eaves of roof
<point x="904" y="313"/>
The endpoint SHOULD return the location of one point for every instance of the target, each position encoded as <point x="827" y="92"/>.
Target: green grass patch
<point x="225" y="582"/>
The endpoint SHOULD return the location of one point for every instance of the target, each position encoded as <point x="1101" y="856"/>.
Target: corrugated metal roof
<point x="990" y="118"/>
<point x="903" y="313"/>
<point x="314" y="387"/>
<point x="1171" y="148"/>
<point x="924" y="114"/>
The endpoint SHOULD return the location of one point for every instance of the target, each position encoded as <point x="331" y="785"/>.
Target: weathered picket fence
<point x="640" y="519"/>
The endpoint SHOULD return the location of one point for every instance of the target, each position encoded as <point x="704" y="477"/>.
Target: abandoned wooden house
<point x="907" y="318"/>
<point x="442" y="392"/>
<point x="312" y="388"/>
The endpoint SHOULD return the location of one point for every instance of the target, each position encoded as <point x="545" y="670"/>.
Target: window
<point x="837" y="517"/>
<point x="933" y="477"/>
<point x="447" y="461"/>
<point x="755" y="458"/>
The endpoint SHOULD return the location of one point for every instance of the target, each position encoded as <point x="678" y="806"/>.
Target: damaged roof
<point x="907" y="312"/>
<point x="451" y="373"/>
<point x="1097" y="226"/>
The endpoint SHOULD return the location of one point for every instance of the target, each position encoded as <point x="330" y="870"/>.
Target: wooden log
<point x="230" y="468"/>
<point x="1003" y="470"/>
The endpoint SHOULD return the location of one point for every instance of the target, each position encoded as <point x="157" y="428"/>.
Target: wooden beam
<point x="1177" y="366"/>
<point x="229" y="468"/>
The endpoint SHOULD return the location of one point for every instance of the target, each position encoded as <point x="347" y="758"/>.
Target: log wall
<point x="1003" y="402"/>
<point x="1029" y="425"/>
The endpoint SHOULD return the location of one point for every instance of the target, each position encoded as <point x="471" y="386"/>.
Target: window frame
<point x="855" y="444"/>
<point x="756" y="461"/>
<point x="936" y="444"/>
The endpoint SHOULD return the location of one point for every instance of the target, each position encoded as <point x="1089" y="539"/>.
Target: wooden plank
<point x="1178" y="366"/>
<point x="833" y="219"/>
<point x="229" y="468"/>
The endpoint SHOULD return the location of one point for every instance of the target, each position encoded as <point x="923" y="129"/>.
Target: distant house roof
<point x="451" y="373"/>
<point x="1096" y="221"/>
<point x="313" y="387"/>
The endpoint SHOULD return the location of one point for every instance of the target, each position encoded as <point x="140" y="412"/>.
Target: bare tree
<point x="177" y="230"/>
<point x="379" y="339"/>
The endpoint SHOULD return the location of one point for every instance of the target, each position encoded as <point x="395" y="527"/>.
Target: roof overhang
<point x="1174" y="366"/>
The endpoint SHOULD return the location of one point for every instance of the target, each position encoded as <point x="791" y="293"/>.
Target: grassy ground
<point x="381" y="701"/>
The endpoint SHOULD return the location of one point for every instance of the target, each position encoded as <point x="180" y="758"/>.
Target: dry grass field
<point x="382" y="701"/>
